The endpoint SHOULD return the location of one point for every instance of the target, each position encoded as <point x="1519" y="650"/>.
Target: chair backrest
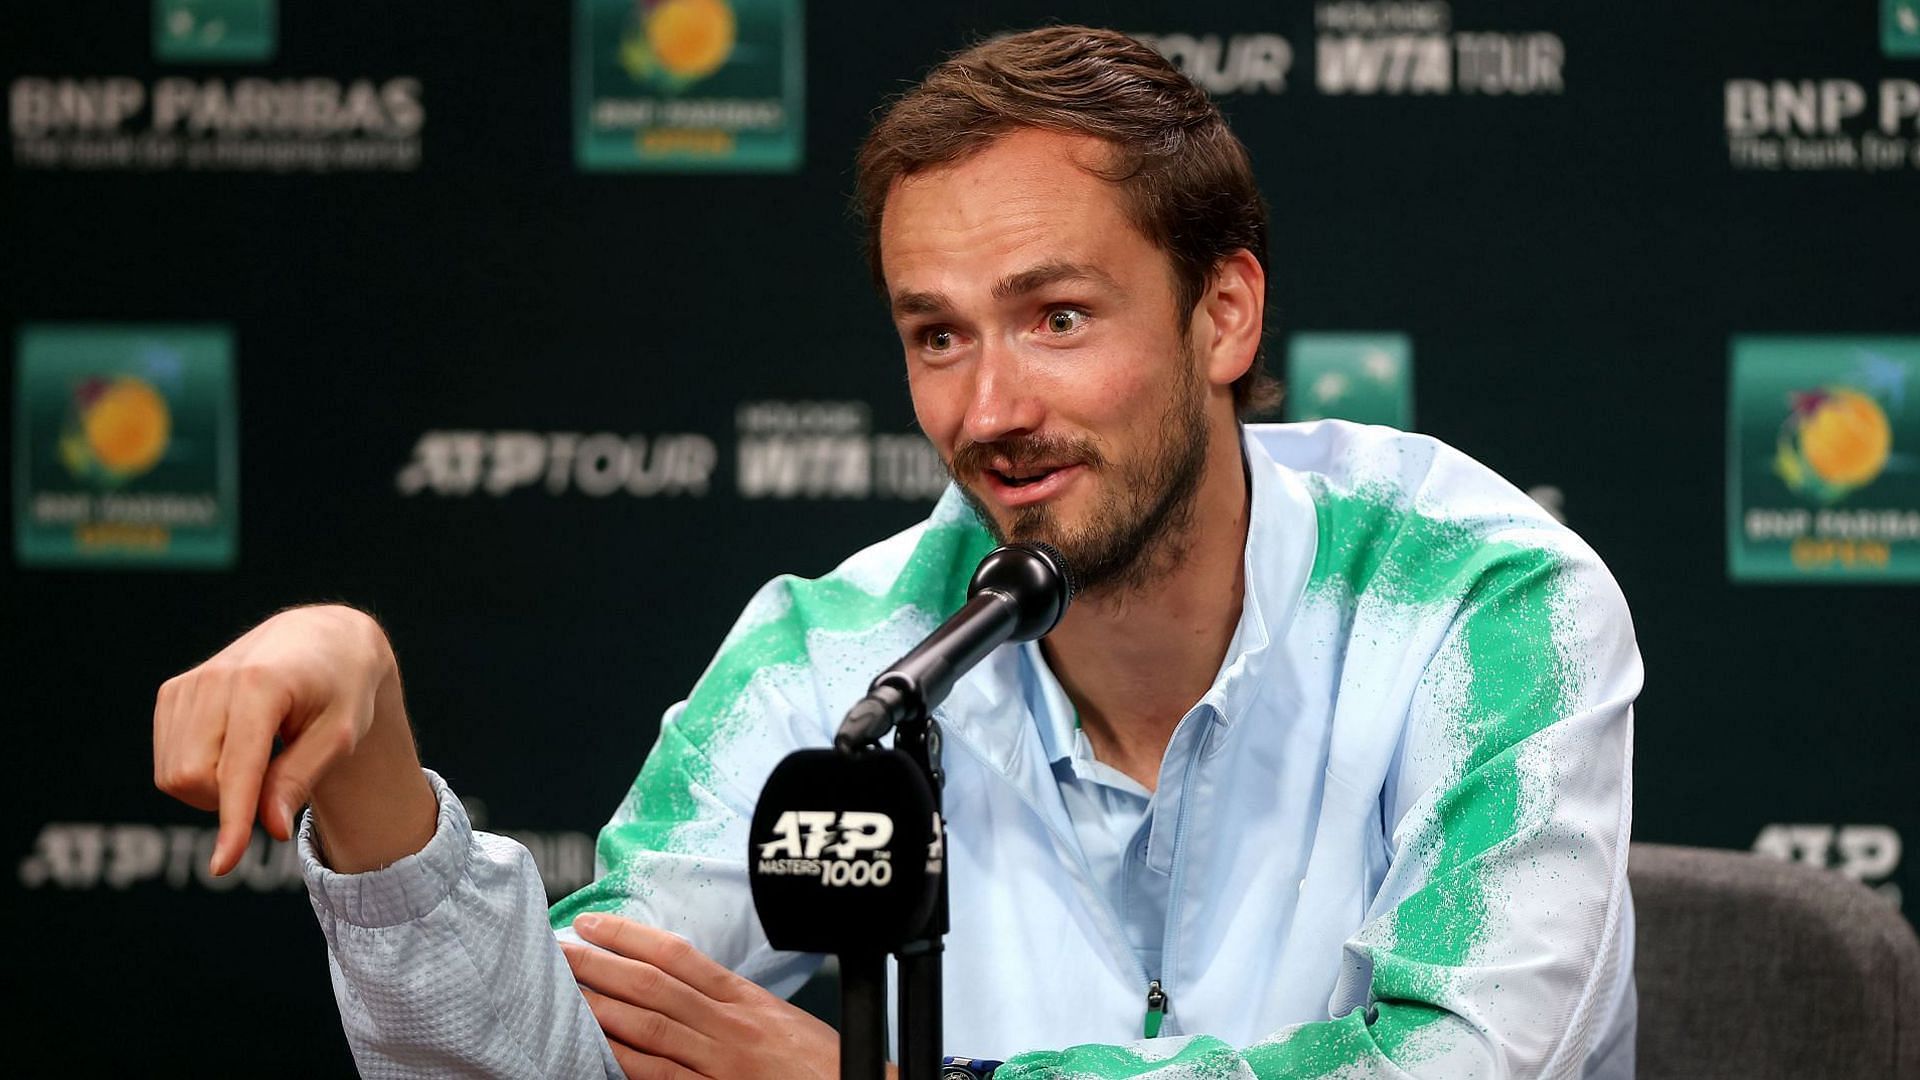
<point x="1756" y="968"/>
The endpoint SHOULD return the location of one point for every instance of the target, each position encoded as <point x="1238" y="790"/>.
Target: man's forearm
<point x="376" y="807"/>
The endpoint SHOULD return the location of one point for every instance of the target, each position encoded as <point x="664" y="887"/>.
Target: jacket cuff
<point x="403" y="891"/>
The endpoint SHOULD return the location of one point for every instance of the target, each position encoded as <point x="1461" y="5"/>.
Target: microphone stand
<point x="920" y="971"/>
<point x="863" y="983"/>
<point x="1018" y="593"/>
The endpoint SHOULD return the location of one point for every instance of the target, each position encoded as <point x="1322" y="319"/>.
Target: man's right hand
<point x="323" y="680"/>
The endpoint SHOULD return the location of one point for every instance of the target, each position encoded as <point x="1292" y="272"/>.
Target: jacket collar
<point x="1011" y="711"/>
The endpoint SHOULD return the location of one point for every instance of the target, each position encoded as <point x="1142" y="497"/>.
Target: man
<point x="1326" y="771"/>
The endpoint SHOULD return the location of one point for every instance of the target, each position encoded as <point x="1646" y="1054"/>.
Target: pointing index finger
<point x="253" y="716"/>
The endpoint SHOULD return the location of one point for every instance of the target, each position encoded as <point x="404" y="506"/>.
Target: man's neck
<point x="1135" y="662"/>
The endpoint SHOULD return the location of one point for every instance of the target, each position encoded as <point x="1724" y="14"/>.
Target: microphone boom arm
<point x="1018" y="593"/>
<point x="922" y="678"/>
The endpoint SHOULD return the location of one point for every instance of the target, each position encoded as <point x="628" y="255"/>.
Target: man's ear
<point x="1234" y="309"/>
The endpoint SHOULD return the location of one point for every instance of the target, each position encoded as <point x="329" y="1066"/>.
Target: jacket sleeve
<point x="446" y="962"/>
<point x="443" y="964"/>
<point x="1499" y="942"/>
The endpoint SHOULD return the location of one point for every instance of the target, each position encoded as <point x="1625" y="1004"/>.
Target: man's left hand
<point x="671" y="1013"/>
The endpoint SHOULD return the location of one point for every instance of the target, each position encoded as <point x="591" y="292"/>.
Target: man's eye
<point x="1065" y="320"/>
<point x="938" y="340"/>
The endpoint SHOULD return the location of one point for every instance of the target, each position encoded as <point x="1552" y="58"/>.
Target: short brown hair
<point x="1184" y="177"/>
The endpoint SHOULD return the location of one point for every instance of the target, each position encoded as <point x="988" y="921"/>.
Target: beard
<point x="1141" y="523"/>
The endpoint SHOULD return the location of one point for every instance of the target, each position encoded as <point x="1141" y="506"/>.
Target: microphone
<point x="1018" y="593"/>
<point x="846" y="849"/>
<point x="845" y="852"/>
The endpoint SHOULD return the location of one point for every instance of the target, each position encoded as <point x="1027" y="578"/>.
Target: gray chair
<point x="1754" y="968"/>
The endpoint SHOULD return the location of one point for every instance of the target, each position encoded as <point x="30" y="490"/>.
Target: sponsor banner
<point x="827" y="450"/>
<point x="689" y="85"/>
<point x="1398" y="47"/>
<point x="1869" y="854"/>
<point x="1796" y="123"/>
<point x="1823" y="125"/>
<point x="597" y="465"/>
<point x="1363" y="377"/>
<point x="1900" y="27"/>
<point x="125" y="449"/>
<point x="1233" y="64"/>
<point x="215" y="31"/>
<point x="1823" y="459"/>
<point x="81" y="856"/>
<point x="280" y="125"/>
<point x="785" y="450"/>
<point x="105" y="122"/>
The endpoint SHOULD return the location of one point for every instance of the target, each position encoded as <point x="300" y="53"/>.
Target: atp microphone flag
<point x="846" y="852"/>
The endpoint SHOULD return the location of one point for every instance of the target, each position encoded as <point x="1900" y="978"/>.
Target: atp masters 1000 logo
<point x="686" y="85"/>
<point x="1823" y="481"/>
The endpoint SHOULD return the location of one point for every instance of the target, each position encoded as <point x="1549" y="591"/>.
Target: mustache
<point x="975" y="458"/>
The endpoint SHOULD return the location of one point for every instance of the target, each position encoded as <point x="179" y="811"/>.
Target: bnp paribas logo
<point x="1900" y="27"/>
<point x="688" y="85"/>
<point x="1363" y="377"/>
<point x="215" y="30"/>
<point x="1824" y="459"/>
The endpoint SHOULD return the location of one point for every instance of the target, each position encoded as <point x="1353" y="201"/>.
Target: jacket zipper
<point x="1170" y="938"/>
<point x="1115" y="929"/>
<point x="1158" y="1000"/>
<point x="1156" y="1010"/>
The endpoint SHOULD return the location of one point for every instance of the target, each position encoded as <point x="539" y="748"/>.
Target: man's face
<point x="1045" y="354"/>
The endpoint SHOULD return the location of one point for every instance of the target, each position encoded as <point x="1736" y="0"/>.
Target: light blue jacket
<point x="1394" y="831"/>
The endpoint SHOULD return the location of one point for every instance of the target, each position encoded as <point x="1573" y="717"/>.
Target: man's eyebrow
<point x="920" y="303"/>
<point x="1053" y="273"/>
<point x="1033" y="279"/>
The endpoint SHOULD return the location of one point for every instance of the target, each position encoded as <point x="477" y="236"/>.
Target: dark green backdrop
<point x="1569" y="267"/>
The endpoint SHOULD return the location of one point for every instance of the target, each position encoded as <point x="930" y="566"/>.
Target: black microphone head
<point x="1038" y="579"/>
<point x="845" y="853"/>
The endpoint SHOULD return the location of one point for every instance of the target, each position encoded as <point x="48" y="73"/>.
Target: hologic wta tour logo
<point x="124" y="446"/>
<point x="688" y="85"/>
<point x="1392" y="47"/>
<point x="1823" y="480"/>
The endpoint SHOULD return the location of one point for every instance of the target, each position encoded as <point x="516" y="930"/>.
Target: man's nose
<point x="1003" y="403"/>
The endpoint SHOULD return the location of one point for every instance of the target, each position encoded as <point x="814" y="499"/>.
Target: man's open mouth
<point x="1024" y="475"/>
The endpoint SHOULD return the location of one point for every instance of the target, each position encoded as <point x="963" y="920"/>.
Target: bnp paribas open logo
<point x="215" y="31"/>
<point x="117" y="427"/>
<point x="1363" y="377"/>
<point x="1834" y="441"/>
<point x="124" y="446"/>
<point x="688" y="85"/>
<point x="1900" y="27"/>
<point x="1824" y="459"/>
<point x="678" y="42"/>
